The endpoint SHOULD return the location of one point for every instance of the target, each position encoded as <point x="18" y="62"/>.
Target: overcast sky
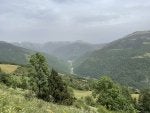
<point x="96" y="21"/>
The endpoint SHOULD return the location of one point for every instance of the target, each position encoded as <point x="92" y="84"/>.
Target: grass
<point x="7" y="68"/>
<point x="14" y="101"/>
<point x="79" y="93"/>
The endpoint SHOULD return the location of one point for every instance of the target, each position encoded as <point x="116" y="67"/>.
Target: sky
<point x="95" y="21"/>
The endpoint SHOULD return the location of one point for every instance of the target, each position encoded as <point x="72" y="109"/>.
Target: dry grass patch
<point x="7" y="68"/>
<point x="135" y="97"/>
<point x="80" y="93"/>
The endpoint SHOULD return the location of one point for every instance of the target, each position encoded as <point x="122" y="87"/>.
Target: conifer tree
<point x="39" y="75"/>
<point x="58" y="89"/>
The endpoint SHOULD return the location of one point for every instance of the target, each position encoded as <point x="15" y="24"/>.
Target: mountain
<point x="63" y="50"/>
<point x="126" y="60"/>
<point x="12" y="54"/>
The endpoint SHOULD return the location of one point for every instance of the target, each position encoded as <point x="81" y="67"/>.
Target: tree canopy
<point x="111" y="95"/>
<point x="48" y="86"/>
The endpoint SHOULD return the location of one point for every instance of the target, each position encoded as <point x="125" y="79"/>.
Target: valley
<point x="74" y="56"/>
<point x="125" y="61"/>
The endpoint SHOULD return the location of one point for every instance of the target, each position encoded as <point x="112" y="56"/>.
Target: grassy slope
<point x="81" y="93"/>
<point x="13" y="101"/>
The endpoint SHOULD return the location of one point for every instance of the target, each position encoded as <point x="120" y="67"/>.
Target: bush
<point x="89" y="101"/>
<point x="81" y="105"/>
<point x="29" y="95"/>
<point x="5" y="78"/>
<point x="14" y="81"/>
<point x="112" y="96"/>
<point x="145" y="101"/>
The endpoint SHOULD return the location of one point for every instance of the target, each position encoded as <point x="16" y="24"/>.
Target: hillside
<point x="11" y="54"/>
<point x="63" y="50"/>
<point x="18" y="101"/>
<point x="126" y="60"/>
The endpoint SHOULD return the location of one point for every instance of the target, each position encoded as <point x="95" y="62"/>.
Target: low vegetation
<point x="81" y="94"/>
<point x="22" y="101"/>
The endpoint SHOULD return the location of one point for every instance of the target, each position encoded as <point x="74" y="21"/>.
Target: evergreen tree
<point x="39" y="75"/>
<point x="49" y="87"/>
<point x="58" y="89"/>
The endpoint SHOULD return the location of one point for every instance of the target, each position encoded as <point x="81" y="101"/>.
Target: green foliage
<point x="110" y="94"/>
<point x="77" y="82"/>
<point x="89" y="101"/>
<point x="40" y="75"/>
<point x="15" y="81"/>
<point x="58" y="89"/>
<point x="5" y="78"/>
<point x="49" y="87"/>
<point x="24" y="101"/>
<point x="145" y="101"/>
<point x="81" y="104"/>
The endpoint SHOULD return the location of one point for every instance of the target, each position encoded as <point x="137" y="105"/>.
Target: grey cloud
<point x="88" y="20"/>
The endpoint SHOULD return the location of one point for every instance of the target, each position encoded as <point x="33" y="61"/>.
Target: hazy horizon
<point x="98" y="21"/>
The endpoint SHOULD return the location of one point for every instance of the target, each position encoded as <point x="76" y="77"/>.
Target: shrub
<point x="89" y="101"/>
<point x="81" y="105"/>
<point x="5" y="78"/>
<point x="112" y="96"/>
<point x="145" y="101"/>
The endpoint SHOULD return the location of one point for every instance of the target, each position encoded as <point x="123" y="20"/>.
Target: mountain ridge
<point x="126" y="60"/>
<point x="64" y="50"/>
<point x="12" y="54"/>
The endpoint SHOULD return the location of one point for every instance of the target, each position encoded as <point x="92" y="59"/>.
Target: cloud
<point x="88" y="20"/>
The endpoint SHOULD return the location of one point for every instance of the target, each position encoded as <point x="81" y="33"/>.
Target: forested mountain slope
<point x="126" y="60"/>
<point x="12" y="54"/>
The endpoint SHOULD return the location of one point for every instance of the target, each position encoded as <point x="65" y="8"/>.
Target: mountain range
<point x="63" y="50"/>
<point x="126" y="60"/>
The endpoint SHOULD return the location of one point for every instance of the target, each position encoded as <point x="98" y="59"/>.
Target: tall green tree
<point x="39" y="75"/>
<point x="48" y="86"/>
<point x="110" y="94"/>
<point x="58" y="89"/>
